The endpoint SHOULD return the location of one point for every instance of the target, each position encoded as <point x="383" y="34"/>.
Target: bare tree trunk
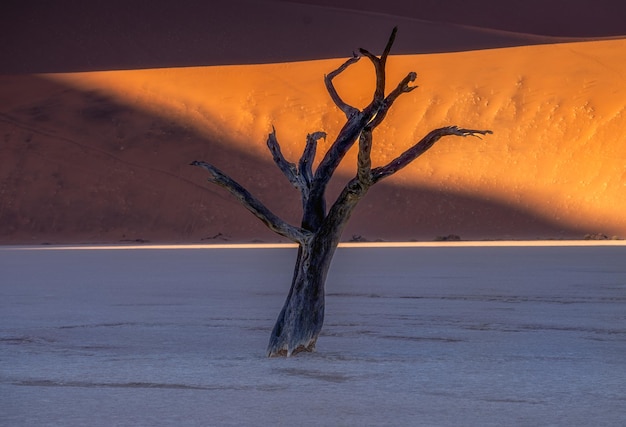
<point x="302" y="316"/>
<point x="300" y="321"/>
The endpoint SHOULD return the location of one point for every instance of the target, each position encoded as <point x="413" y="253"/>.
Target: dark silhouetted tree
<point x="300" y="320"/>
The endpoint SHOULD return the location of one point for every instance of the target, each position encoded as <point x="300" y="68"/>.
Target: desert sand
<point x="100" y="119"/>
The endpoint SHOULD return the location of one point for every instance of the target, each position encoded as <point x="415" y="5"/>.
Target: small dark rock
<point x="596" y="236"/>
<point x="448" y="238"/>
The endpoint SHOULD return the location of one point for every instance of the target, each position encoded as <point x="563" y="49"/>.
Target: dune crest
<point x="71" y="36"/>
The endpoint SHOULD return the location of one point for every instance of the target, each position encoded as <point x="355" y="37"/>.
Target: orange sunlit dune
<point x="557" y="111"/>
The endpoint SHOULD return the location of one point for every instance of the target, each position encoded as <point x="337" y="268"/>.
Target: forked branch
<point x="305" y="165"/>
<point x="379" y="66"/>
<point x="366" y="177"/>
<point x="299" y="176"/>
<point x="403" y="87"/>
<point x="357" y="120"/>
<point x="364" y="162"/>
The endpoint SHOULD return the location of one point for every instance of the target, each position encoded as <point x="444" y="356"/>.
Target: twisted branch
<point x="348" y="110"/>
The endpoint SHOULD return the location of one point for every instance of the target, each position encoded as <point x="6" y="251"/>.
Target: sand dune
<point x="102" y="156"/>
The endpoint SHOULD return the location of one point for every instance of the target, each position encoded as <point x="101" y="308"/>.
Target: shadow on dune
<point x="78" y="167"/>
<point x="70" y="35"/>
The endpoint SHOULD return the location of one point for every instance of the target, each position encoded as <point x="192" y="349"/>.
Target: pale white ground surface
<point x="425" y="336"/>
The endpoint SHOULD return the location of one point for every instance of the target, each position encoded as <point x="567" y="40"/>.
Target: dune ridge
<point x="557" y="18"/>
<point x="74" y="36"/>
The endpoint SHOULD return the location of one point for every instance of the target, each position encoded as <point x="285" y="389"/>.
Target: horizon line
<point x="400" y="244"/>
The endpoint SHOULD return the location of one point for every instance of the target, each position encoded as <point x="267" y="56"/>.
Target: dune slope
<point x="101" y="156"/>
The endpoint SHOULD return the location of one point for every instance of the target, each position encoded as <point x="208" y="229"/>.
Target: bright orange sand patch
<point x="557" y="113"/>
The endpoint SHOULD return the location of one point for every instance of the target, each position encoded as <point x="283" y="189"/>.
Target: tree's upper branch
<point x="352" y="130"/>
<point x="357" y="120"/>
<point x="365" y="139"/>
<point x="301" y="176"/>
<point x="403" y="87"/>
<point x="358" y="186"/>
<point x="392" y="39"/>
<point x="348" y="110"/>
<point x="420" y="148"/>
<point x="379" y="66"/>
<point x="383" y="57"/>
<point x="347" y="135"/>
<point x="257" y="208"/>
<point x="379" y="92"/>
<point x="345" y="140"/>
<point x="305" y="165"/>
<point x="287" y="168"/>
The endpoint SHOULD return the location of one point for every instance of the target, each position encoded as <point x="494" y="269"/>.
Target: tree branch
<point x="287" y="168"/>
<point x="350" y="132"/>
<point x="348" y="110"/>
<point x="379" y="66"/>
<point x="392" y="39"/>
<point x="257" y="208"/>
<point x="305" y="165"/>
<point x="403" y="87"/>
<point x="420" y="148"/>
<point x="379" y="92"/>
<point x="364" y="161"/>
<point x="315" y="209"/>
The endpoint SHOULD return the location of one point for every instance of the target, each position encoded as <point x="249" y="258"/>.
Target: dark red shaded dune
<point x="554" y="18"/>
<point x="74" y="35"/>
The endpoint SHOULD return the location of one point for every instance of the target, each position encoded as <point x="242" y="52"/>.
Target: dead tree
<point x="301" y="318"/>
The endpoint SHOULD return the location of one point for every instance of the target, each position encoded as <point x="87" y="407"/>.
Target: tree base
<point x="283" y="352"/>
